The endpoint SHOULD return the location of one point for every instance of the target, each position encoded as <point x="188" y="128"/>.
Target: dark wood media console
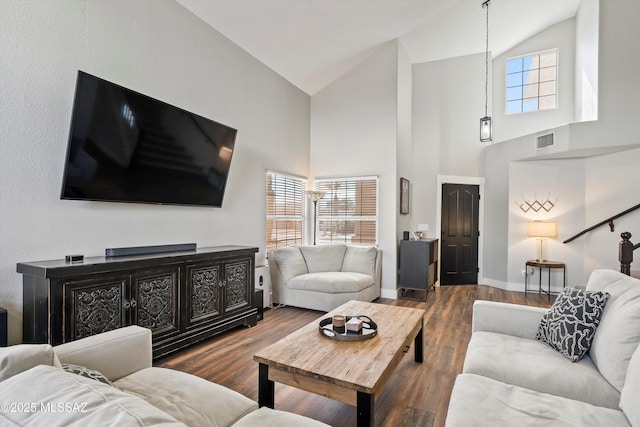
<point x="183" y="297"/>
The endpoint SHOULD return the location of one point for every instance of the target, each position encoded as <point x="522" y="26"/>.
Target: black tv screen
<point x="128" y="147"/>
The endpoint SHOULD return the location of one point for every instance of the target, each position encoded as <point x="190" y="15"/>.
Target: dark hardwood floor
<point x="417" y="395"/>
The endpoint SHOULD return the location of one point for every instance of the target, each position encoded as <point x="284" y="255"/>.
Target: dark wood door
<point x="459" y="243"/>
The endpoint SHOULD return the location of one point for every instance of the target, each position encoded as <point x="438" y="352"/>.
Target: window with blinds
<point x="348" y="213"/>
<point x="286" y="210"/>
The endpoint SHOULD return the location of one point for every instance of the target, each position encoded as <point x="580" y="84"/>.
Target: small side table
<point x="548" y="265"/>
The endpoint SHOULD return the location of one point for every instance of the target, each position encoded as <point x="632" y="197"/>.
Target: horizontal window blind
<point x="286" y="210"/>
<point x="348" y="213"/>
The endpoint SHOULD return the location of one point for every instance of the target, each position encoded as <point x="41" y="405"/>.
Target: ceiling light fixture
<point x="485" y="122"/>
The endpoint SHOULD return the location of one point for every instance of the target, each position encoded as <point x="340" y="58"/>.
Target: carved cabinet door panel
<point x="155" y="300"/>
<point x="204" y="293"/>
<point x="238" y="289"/>
<point x="93" y="306"/>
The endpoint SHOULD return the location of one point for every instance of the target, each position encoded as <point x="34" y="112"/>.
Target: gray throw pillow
<point x="87" y="373"/>
<point x="571" y="322"/>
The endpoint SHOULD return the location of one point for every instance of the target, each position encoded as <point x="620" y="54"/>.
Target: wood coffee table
<point x="352" y="372"/>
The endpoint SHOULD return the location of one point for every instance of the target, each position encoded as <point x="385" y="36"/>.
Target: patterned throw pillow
<point x="571" y="322"/>
<point x="87" y="373"/>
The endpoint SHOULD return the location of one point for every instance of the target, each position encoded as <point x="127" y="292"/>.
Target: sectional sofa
<point x="510" y="378"/>
<point x="326" y="276"/>
<point x="107" y="379"/>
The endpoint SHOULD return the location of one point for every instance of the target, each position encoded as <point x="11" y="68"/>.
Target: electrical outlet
<point x="523" y="273"/>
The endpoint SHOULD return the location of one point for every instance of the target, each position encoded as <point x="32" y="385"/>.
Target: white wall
<point x="161" y="50"/>
<point x="354" y="133"/>
<point x="404" y="149"/>
<point x="589" y="189"/>
<point x="561" y="36"/>
<point x="611" y="183"/>
<point x="448" y="102"/>
<point x="562" y="182"/>
<point x="586" y="73"/>
<point x="619" y="81"/>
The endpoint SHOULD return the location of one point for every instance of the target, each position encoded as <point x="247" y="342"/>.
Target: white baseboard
<point x="517" y="287"/>
<point x="507" y="286"/>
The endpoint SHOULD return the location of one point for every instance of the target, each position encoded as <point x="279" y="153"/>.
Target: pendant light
<point x="485" y="122"/>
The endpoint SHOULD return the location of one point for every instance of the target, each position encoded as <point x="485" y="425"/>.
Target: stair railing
<point x="625" y="253"/>
<point x="601" y="223"/>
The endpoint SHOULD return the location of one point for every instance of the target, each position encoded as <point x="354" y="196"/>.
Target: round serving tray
<point x="369" y="329"/>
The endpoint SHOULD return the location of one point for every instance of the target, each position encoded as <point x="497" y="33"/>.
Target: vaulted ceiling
<point x="313" y="42"/>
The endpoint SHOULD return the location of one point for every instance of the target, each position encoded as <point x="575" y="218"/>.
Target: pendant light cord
<point x="486" y="62"/>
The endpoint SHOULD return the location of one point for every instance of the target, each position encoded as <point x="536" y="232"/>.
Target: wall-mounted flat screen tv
<point x="128" y="147"/>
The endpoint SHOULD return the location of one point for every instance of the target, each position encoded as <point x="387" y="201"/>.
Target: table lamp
<point x="542" y="230"/>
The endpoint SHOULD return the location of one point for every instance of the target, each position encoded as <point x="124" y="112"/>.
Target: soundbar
<point x="145" y="250"/>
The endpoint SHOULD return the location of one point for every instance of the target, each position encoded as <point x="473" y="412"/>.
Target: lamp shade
<point x="314" y="195"/>
<point x="542" y="229"/>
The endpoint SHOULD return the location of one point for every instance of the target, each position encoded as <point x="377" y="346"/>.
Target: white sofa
<point x="511" y="379"/>
<point x="324" y="277"/>
<point x="36" y="391"/>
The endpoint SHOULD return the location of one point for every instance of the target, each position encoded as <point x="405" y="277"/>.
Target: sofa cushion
<point x="360" y="260"/>
<point x="290" y="262"/>
<point x="190" y="399"/>
<point x="618" y="334"/>
<point x="105" y="351"/>
<point x="571" y="323"/>
<point x="265" y="417"/>
<point x="332" y="282"/>
<point x="323" y="257"/>
<point x="18" y="358"/>
<point x="479" y="401"/>
<point x="534" y="365"/>
<point x="64" y="399"/>
<point x="630" y="395"/>
<point x="601" y="278"/>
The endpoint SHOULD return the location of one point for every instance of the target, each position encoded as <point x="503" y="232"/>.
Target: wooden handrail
<point x="601" y="223"/>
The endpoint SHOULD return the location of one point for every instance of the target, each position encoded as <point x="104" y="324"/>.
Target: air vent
<point x="544" y="141"/>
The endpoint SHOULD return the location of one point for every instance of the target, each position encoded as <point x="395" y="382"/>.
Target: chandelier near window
<point x="485" y="122"/>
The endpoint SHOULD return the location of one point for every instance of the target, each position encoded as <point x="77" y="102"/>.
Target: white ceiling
<point x="313" y="42"/>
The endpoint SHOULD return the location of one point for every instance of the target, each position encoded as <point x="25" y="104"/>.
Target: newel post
<point x="625" y="253"/>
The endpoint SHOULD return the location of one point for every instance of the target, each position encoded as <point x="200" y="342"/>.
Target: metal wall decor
<point x="536" y="205"/>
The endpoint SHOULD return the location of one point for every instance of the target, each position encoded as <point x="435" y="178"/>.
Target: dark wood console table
<point x="548" y="265"/>
<point x="183" y="297"/>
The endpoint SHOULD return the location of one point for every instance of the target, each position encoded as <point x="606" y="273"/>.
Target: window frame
<point x="299" y="197"/>
<point x="522" y="85"/>
<point x="320" y="217"/>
